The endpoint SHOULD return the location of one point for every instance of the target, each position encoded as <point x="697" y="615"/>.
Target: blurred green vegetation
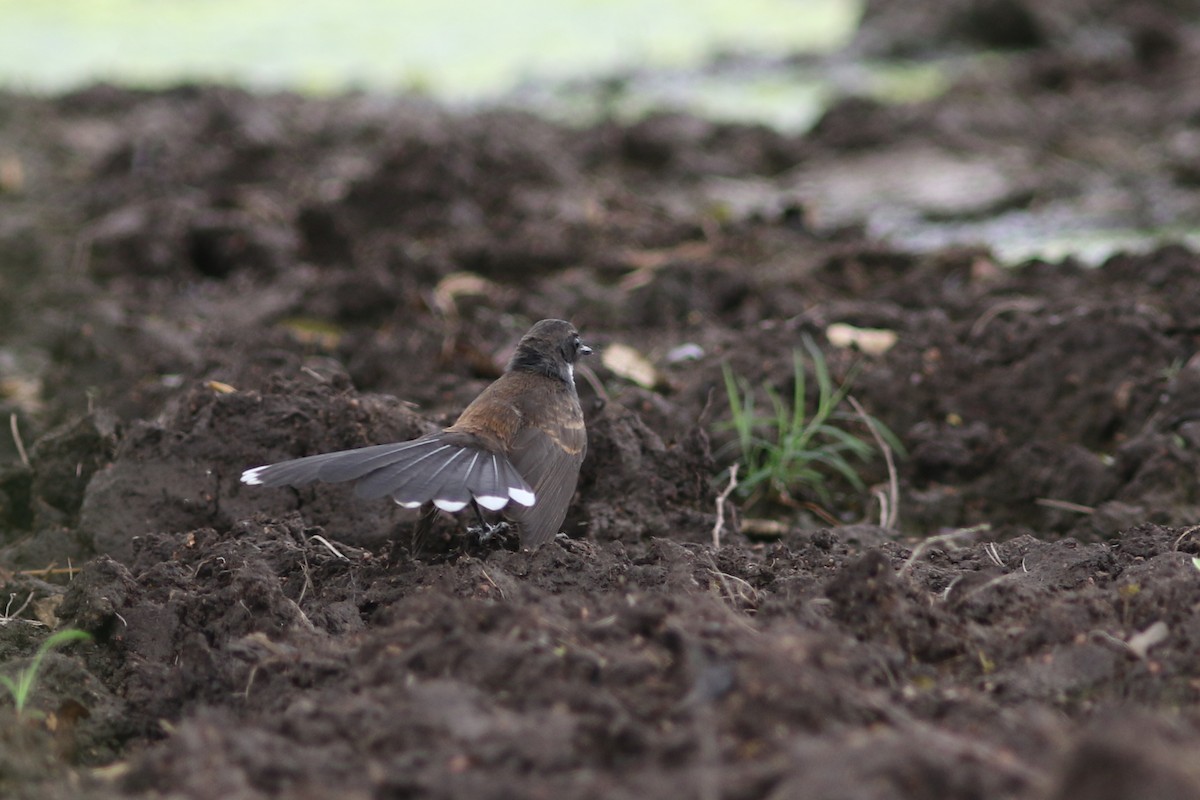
<point x="457" y="51"/>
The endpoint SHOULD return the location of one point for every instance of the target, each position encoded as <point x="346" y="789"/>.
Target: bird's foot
<point x="486" y="532"/>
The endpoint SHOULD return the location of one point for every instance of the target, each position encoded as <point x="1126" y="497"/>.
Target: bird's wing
<point x="551" y="466"/>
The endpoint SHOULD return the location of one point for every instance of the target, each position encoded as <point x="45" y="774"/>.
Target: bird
<point x="515" y="449"/>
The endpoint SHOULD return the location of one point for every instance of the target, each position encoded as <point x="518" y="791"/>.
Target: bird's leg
<point x="484" y="531"/>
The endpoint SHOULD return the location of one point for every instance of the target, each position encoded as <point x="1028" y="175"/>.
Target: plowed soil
<point x="197" y="281"/>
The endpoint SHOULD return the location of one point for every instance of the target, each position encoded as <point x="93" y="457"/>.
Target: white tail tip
<point x="491" y="503"/>
<point x="522" y="496"/>
<point x="253" y="477"/>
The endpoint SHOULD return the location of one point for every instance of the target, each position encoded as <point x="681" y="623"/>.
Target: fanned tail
<point x="439" y="468"/>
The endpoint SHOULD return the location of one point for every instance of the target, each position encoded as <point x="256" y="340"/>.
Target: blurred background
<point x="648" y="52"/>
<point x="997" y="117"/>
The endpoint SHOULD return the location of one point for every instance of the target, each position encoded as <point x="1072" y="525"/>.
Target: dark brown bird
<point x="518" y="446"/>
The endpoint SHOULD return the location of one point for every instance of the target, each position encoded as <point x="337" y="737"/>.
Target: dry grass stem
<point x="941" y="538"/>
<point x="1064" y="505"/>
<point x="50" y="570"/>
<point x="16" y="435"/>
<point x="10" y="615"/>
<point x="889" y="514"/>
<point x="721" y="499"/>
<point x="319" y="539"/>
<point x="1188" y="531"/>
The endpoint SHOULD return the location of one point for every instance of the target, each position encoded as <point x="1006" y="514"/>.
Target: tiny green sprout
<point x="21" y="687"/>
<point x="1172" y="370"/>
<point x="1196" y="562"/>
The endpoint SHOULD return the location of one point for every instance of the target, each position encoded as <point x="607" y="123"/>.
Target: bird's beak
<point x="584" y="350"/>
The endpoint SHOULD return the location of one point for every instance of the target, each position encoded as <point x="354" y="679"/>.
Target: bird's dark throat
<point x="529" y="360"/>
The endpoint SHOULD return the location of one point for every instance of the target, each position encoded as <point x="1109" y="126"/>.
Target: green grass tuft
<point x="788" y="449"/>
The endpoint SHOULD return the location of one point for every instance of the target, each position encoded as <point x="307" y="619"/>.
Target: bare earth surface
<point x="197" y="281"/>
